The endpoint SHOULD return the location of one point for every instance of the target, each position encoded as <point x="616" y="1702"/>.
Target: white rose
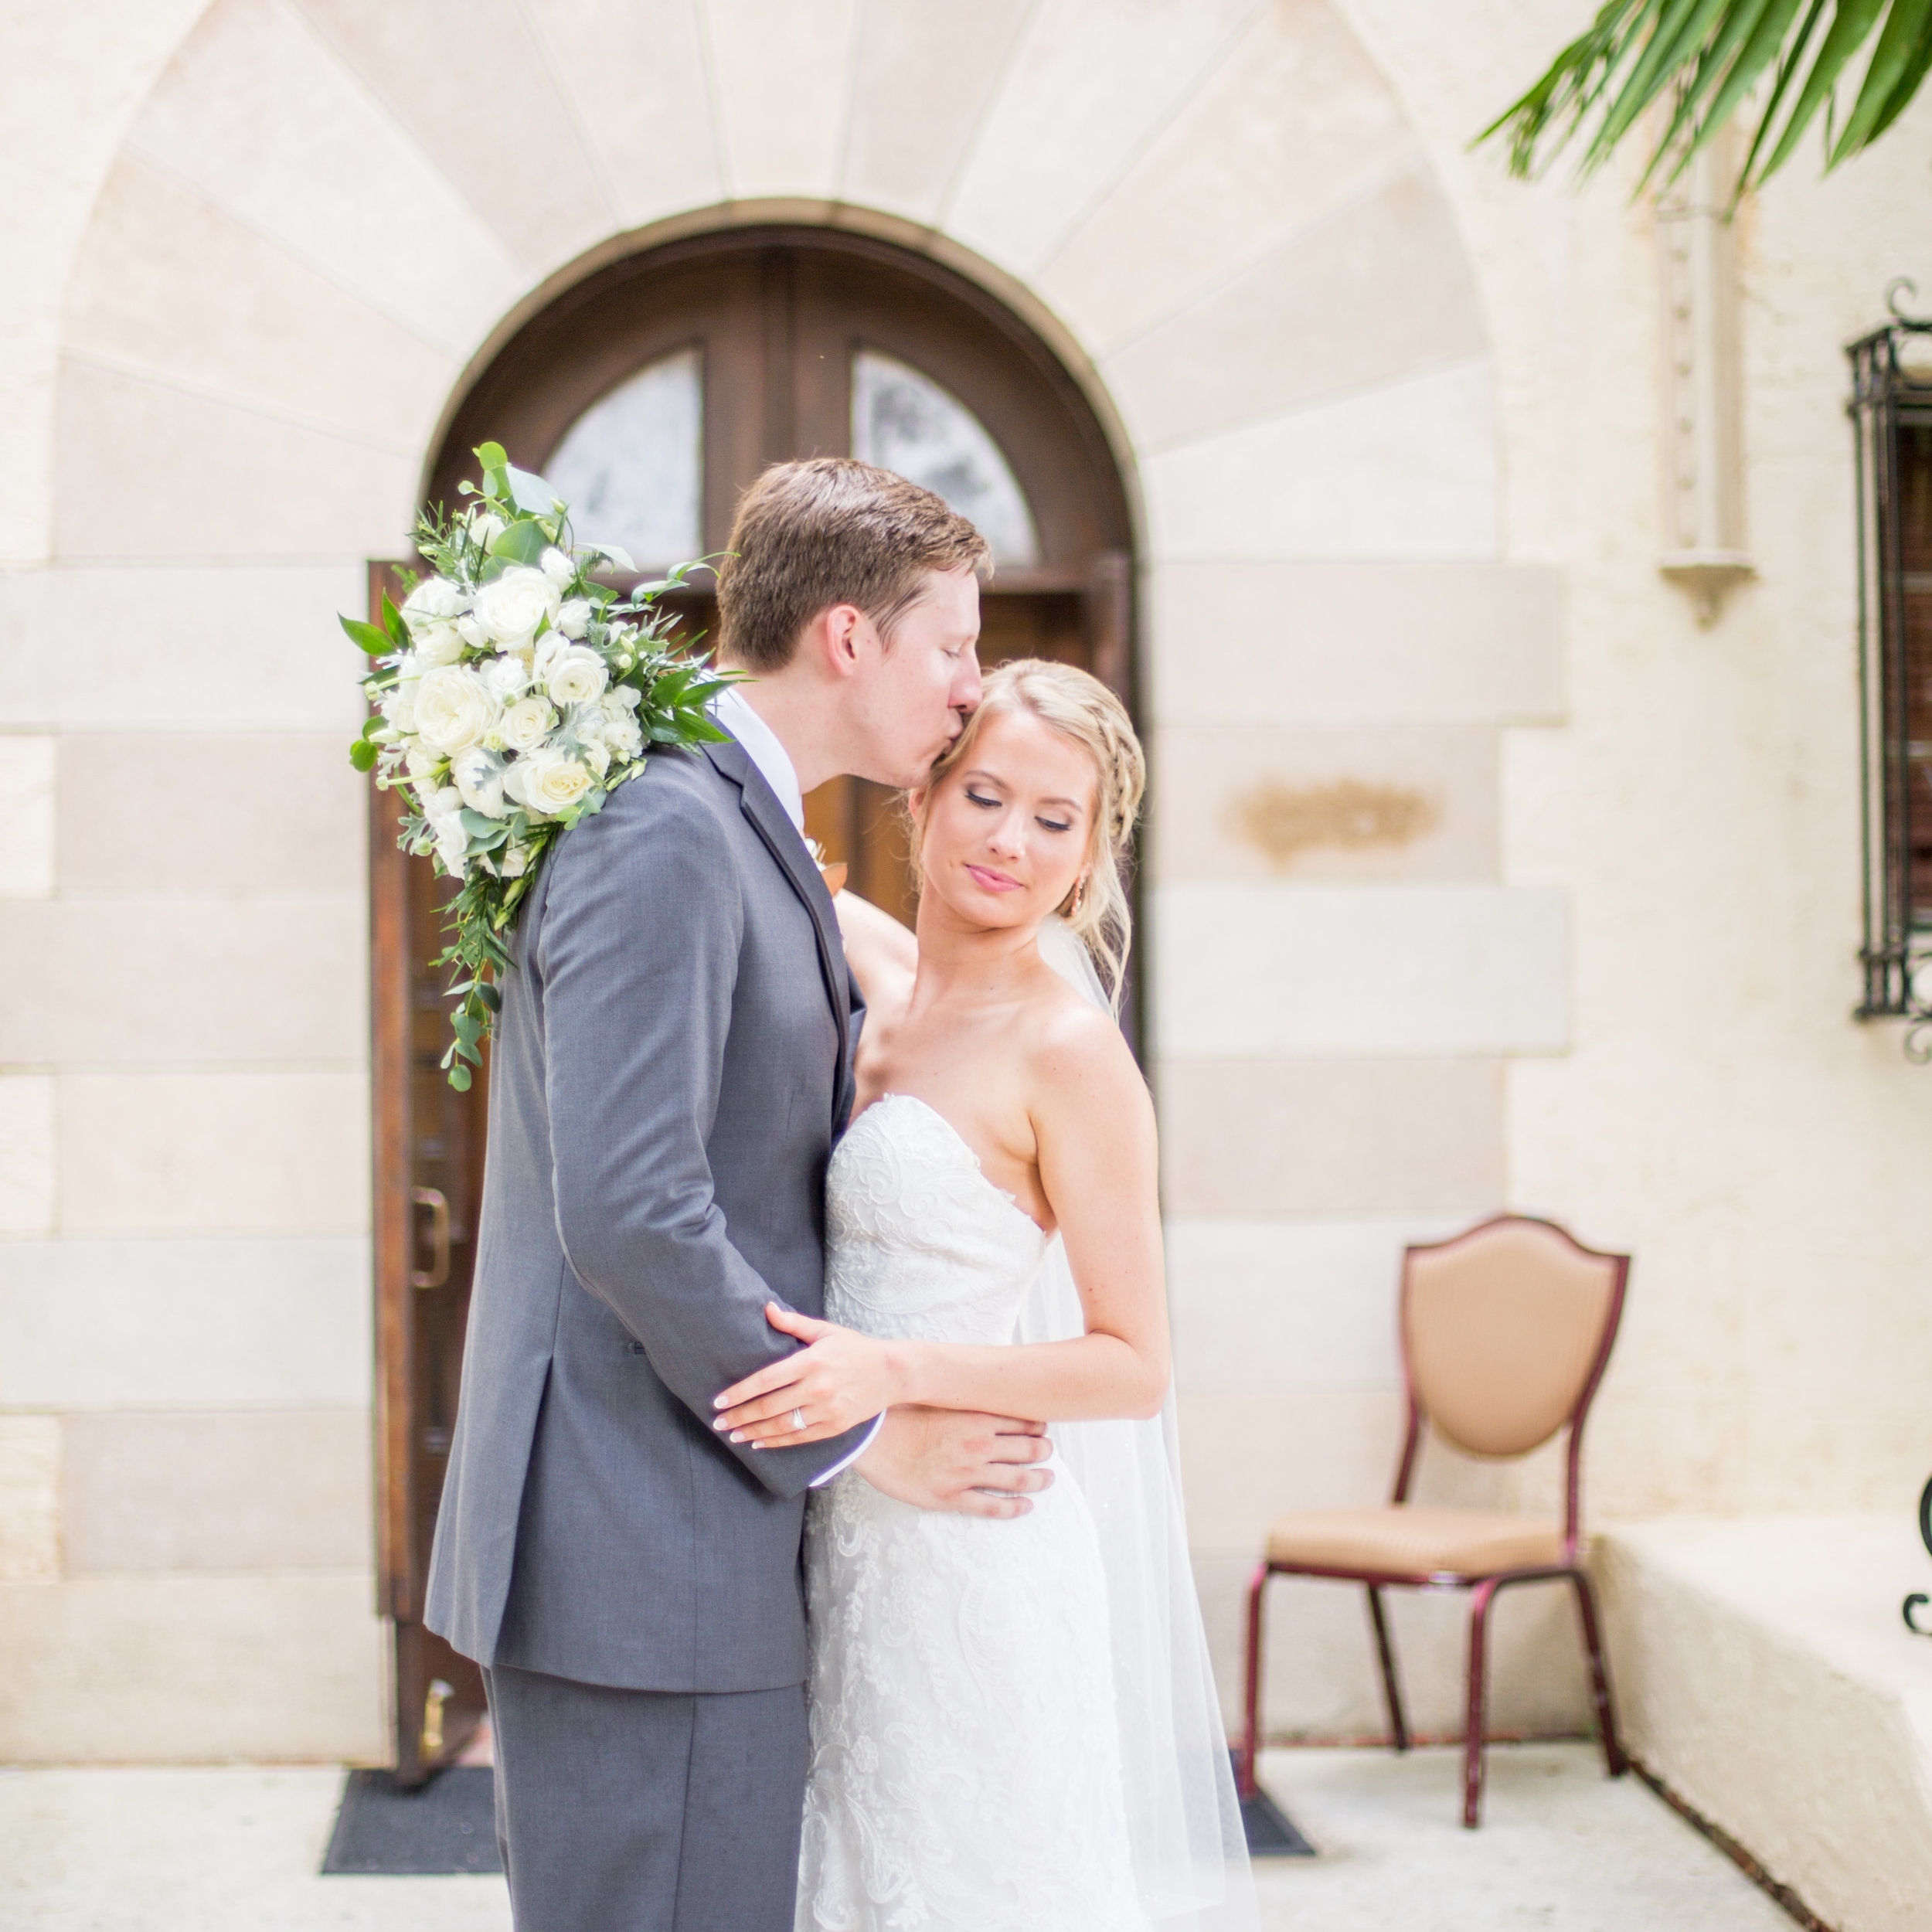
<point x="453" y="710"/>
<point x="526" y="723"/>
<point x="444" y="810"/>
<point x="508" y="677"/>
<point x="479" y="777"/>
<point x="574" y="618"/>
<point x="485" y="526"/>
<point x="621" y="732"/>
<point x="511" y="607"/>
<point x="439" y="644"/>
<point x="547" y="781"/>
<point x="557" y="567"/>
<point x="430" y="611"/>
<point x="577" y="674"/>
<point x="474" y="635"/>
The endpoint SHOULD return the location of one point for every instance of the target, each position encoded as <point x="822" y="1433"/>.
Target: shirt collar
<point x="764" y="748"/>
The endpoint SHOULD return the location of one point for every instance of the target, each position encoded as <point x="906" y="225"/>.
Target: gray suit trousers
<point x="628" y="1810"/>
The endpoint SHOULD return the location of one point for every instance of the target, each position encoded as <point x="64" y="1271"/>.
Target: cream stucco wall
<point x="1390" y="418"/>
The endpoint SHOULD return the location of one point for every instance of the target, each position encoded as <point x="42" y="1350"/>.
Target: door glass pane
<point x="904" y="421"/>
<point x="631" y="466"/>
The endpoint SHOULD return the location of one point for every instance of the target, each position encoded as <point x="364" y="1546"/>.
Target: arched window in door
<point x="651" y="394"/>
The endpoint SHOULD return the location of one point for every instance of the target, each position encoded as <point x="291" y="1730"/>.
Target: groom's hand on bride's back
<point x="948" y="1459"/>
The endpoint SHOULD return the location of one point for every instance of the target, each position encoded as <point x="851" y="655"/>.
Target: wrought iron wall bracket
<point x="1918" y="1599"/>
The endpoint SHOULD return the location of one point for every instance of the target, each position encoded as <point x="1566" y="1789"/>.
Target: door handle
<point x="438" y="1272"/>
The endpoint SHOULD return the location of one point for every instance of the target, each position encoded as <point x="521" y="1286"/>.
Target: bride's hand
<point x="837" y="1381"/>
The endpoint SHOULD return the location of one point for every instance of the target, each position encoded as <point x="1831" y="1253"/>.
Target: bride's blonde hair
<point x="1081" y="708"/>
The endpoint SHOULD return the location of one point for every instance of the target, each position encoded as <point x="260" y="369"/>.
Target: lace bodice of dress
<point x="922" y="1246"/>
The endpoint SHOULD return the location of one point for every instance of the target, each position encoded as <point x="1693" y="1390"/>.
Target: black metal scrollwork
<point x="1918" y="1598"/>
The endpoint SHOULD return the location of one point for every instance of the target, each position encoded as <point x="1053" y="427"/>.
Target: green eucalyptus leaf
<point x="362" y="755"/>
<point x="523" y="542"/>
<point x="528" y="491"/>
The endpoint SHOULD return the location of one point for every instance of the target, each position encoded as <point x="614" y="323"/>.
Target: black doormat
<point x="448" y="1824"/>
<point x="1271" y="1833"/>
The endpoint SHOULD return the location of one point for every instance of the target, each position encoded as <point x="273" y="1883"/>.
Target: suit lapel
<point x="782" y="840"/>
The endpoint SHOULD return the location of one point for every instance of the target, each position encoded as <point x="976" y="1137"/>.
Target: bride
<point x="1014" y="1727"/>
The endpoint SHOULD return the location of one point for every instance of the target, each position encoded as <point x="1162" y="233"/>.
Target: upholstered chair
<point x="1505" y="1330"/>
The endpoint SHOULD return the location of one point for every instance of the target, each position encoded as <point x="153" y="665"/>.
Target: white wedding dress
<point x="968" y="1679"/>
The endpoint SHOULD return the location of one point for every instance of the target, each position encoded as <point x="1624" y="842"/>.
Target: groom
<point x="672" y="1065"/>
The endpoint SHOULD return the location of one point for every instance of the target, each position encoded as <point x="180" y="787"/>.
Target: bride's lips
<point x="992" y="882"/>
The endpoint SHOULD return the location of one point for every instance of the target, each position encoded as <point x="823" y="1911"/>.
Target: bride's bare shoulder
<point x="1074" y="1051"/>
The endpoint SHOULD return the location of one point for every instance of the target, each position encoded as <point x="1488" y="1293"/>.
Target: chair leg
<point x="1251" y="1687"/>
<point x="1472" y="1764"/>
<point x="1613" y="1756"/>
<point x="1398" y="1723"/>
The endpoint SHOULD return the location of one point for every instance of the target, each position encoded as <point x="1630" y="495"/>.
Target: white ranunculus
<point x="577" y="674"/>
<point x="574" y="618"/>
<point x="419" y="762"/>
<point x="508" y="676"/>
<point x="526" y="723"/>
<point x="474" y="635"/>
<point x="486" y="526"/>
<point x="444" y="810"/>
<point x="511" y="608"/>
<point x="479" y="777"/>
<point x="557" y="567"/>
<point x="453" y="710"/>
<point x="547" y="781"/>
<point x="430" y="611"/>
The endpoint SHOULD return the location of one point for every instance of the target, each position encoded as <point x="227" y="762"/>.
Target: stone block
<point x="29" y="1499"/>
<point x="144" y="468"/>
<point x="1294" y="121"/>
<point x="783" y="76"/>
<point x="1252" y="971"/>
<point x="251" y="322"/>
<point x="1259" y="802"/>
<point x="1332" y="1137"/>
<point x="164" y="1153"/>
<point x="192" y="1669"/>
<point x="1285" y="644"/>
<point x="280" y="1492"/>
<point x="471" y="86"/>
<point x="190" y="648"/>
<point x="921" y="82"/>
<point x="27" y="869"/>
<point x="1407" y="470"/>
<point x="1313" y="319"/>
<point x="1089" y="83"/>
<point x="184" y="1324"/>
<point x="654" y="144"/>
<point x="1268" y="1306"/>
<point x="138" y="817"/>
<point x="27" y="1159"/>
<point x="258" y="113"/>
<point x="139" y="982"/>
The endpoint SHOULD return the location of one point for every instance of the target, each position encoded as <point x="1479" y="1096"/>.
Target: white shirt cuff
<point x="843" y="1463"/>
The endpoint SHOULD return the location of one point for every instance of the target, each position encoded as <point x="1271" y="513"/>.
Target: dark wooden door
<point x="771" y="324"/>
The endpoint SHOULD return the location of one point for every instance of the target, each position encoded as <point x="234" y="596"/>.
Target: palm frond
<point x="1709" y="56"/>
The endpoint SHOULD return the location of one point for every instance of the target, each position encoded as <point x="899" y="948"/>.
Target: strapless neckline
<point x="959" y="1140"/>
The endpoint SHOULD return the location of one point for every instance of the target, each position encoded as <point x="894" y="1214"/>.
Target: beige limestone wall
<point x="1477" y="874"/>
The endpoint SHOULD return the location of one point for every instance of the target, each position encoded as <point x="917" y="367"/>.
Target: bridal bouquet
<point x="512" y="694"/>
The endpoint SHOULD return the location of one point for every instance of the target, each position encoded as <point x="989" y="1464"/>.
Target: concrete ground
<point x="236" y="1849"/>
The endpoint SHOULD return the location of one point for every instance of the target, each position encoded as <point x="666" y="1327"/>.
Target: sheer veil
<point x="1184" y="1820"/>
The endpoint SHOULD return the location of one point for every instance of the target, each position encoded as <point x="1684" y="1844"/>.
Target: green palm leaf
<point x="1710" y="57"/>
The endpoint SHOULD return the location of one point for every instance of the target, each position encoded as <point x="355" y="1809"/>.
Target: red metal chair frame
<point x="1484" y="1588"/>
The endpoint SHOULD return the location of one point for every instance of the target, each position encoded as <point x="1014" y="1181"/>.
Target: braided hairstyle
<point x="1081" y="708"/>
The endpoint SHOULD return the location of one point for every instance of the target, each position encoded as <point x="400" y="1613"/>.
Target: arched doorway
<point x="652" y="393"/>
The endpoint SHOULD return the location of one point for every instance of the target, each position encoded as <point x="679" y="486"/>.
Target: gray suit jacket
<point x="671" y="1066"/>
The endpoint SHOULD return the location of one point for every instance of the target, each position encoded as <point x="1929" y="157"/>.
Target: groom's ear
<point x="836" y="637"/>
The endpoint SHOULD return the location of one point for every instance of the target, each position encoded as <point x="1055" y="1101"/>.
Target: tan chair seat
<point x="1406" y="1542"/>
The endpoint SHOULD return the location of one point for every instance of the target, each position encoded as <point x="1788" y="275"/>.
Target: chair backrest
<point x="1505" y="1329"/>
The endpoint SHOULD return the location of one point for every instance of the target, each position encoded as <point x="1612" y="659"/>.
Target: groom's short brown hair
<point x="831" y="530"/>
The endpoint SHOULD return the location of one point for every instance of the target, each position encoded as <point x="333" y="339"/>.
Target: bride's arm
<point x="883" y="954"/>
<point x="1094" y="1125"/>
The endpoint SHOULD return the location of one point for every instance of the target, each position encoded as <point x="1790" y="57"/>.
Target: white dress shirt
<point x="766" y="749"/>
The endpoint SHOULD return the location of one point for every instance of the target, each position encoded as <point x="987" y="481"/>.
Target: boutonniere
<point x="833" y="876"/>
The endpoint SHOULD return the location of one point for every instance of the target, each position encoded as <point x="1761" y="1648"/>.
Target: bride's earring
<point x="1079" y="896"/>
